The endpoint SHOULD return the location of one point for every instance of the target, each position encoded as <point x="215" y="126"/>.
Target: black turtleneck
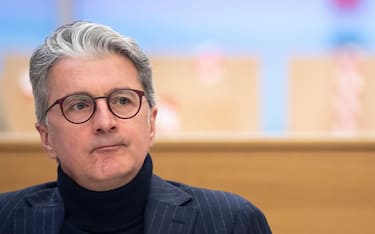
<point x="116" y="211"/>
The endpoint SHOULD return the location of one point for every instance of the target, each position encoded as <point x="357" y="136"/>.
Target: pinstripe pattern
<point x="180" y="209"/>
<point x="172" y="208"/>
<point x="35" y="210"/>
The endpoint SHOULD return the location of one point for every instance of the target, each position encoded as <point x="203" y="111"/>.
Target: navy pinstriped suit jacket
<point x="172" y="208"/>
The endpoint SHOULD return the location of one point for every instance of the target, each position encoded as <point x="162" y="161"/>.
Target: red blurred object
<point x="347" y="4"/>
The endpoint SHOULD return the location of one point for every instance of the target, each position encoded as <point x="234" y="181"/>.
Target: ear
<point x="45" y="140"/>
<point x="153" y="114"/>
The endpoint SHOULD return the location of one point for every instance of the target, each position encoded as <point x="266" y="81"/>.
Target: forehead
<point x="96" y="76"/>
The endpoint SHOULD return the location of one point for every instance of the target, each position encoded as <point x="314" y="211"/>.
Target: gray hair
<point x="85" y="39"/>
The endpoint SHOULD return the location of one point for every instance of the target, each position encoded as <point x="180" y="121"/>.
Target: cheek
<point x="139" y="133"/>
<point x="145" y="126"/>
<point x="68" y="143"/>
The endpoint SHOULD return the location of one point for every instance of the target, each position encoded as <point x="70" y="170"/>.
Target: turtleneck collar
<point x="106" y="211"/>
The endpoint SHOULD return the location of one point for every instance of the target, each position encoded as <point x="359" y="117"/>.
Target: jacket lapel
<point x="44" y="215"/>
<point x="168" y="209"/>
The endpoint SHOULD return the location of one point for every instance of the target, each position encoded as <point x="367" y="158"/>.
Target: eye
<point x="77" y="104"/>
<point x="122" y="100"/>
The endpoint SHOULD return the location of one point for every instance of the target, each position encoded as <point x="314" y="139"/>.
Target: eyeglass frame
<point x="60" y="101"/>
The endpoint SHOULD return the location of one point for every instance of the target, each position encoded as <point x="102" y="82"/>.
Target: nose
<point x="104" y="120"/>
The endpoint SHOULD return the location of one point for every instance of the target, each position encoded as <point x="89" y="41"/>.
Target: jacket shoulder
<point x="13" y="199"/>
<point x="220" y="210"/>
<point x="19" y="201"/>
<point x="215" y="199"/>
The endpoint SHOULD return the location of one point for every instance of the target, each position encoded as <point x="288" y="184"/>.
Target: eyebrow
<point x="91" y="95"/>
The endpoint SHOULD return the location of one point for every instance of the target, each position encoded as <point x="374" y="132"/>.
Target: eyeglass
<point x="79" y="108"/>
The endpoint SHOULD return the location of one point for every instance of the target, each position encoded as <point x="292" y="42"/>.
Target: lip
<point x="107" y="148"/>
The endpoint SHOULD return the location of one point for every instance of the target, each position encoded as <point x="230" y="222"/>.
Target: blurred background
<point x="253" y="67"/>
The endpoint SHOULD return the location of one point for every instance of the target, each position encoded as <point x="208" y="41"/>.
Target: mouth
<point x="108" y="148"/>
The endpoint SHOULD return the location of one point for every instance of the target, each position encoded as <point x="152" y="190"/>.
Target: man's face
<point x="105" y="152"/>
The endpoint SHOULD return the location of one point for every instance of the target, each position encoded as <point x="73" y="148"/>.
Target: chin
<point x="116" y="171"/>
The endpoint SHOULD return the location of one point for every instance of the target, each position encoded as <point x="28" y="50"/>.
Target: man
<point x="96" y="112"/>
